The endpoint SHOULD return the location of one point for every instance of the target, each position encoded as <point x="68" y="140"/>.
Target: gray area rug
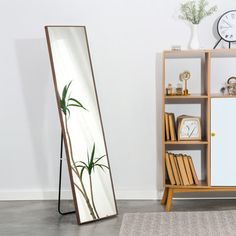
<point x="209" y="223"/>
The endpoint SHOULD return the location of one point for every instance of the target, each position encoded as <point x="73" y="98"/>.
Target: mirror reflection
<point x="81" y="123"/>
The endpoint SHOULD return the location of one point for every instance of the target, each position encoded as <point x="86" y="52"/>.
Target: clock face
<point x="190" y="129"/>
<point x="227" y="26"/>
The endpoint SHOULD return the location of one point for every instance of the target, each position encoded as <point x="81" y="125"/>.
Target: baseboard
<point x="67" y="195"/>
<point x="138" y="195"/>
<point x="34" y="195"/>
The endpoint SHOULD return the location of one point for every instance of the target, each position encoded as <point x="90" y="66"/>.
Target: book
<point x="167" y="130"/>
<point x="169" y="169"/>
<point x="183" y="172"/>
<point x="188" y="169"/>
<point x="172" y="128"/>
<point x="174" y="168"/>
<point x="195" y="178"/>
<point x="178" y="170"/>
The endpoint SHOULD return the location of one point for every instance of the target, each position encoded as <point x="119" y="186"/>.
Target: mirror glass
<point x="81" y="123"/>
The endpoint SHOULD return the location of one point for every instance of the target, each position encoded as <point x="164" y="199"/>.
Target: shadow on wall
<point x="158" y="120"/>
<point x="40" y="106"/>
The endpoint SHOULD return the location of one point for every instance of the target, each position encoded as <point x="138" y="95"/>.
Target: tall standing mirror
<point x="80" y="118"/>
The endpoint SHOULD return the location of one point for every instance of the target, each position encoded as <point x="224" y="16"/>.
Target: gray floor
<point x="38" y="218"/>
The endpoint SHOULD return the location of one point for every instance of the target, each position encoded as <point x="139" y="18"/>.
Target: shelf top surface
<point x="191" y="96"/>
<point x="222" y="52"/>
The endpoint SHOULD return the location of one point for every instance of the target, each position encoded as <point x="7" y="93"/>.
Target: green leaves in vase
<point x="194" y="12"/>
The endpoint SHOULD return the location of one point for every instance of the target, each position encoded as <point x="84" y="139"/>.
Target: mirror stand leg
<point x="59" y="188"/>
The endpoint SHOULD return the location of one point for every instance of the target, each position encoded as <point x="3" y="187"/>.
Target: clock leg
<point x="217" y="44"/>
<point x="229" y="44"/>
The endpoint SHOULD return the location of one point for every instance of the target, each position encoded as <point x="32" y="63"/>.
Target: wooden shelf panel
<point x="202" y="184"/>
<point x="184" y="53"/>
<point x="201" y="188"/>
<point x="218" y="95"/>
<point x="222" y="52"/>
<point x="191" y="96"/>
<point x="186" y="142"/>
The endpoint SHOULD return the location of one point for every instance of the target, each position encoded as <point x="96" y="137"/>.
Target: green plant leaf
<point x="84" y="164"/>
<point x="77" y="103"/>
<point x="82" y="171"/>
<point x="65" y="90"/>
<point x="92" y="157"/>
<point x="98" y="159"/>
<point x="102" y="166"/>
<point x="67" y="110"/>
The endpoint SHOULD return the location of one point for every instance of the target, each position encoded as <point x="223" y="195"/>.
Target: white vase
<point x="194" y="42"/>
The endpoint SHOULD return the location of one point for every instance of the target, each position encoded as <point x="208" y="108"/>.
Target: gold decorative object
<point x="179" y="89"/>
<point x="169" y="90"/>
<point x="184" y="77"/>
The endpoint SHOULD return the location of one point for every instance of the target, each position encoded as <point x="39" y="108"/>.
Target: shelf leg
<point x="169" y="199"/>
<point x="164" y="197"/>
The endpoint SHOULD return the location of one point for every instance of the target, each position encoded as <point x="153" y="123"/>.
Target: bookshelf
<point x="207" y="77"/>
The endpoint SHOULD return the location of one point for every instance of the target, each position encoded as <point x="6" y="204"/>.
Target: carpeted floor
<point x="198" y="223"/>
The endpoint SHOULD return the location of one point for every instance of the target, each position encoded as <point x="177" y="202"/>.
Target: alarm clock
<point x="226" y="27"/>
<point x="189" y="128"/>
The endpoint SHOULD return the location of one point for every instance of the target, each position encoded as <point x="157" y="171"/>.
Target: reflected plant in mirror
<point x="66" y="102"/>
<point x="92" y="163"/>
<point x="90" y="166"/>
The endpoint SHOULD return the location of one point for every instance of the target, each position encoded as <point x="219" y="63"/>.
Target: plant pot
<point x="194" y="42"/>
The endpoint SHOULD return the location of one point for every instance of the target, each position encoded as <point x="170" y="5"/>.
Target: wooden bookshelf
<point x="204" y="98"/>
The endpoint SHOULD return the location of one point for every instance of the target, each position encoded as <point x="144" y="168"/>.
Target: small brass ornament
<point x="179" y="89"/>
<point x="169" y="90"/>
<point x="185" y="76"/>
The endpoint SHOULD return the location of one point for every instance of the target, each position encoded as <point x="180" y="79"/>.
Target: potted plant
<point x="194" y="12"/>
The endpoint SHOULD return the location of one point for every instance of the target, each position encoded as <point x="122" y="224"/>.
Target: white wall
<point x="126" y="39"/>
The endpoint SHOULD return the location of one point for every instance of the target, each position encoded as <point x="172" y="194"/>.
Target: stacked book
<point x="180" y="169"/>
<point x="170" y="128"/>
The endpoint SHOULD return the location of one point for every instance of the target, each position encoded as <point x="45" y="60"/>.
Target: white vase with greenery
<point x="194" y="12"/>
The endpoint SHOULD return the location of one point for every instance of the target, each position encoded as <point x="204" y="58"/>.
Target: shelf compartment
<point x="196" y="66"/>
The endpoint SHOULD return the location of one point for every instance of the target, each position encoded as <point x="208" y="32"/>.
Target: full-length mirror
<point x="81" y="123"/>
